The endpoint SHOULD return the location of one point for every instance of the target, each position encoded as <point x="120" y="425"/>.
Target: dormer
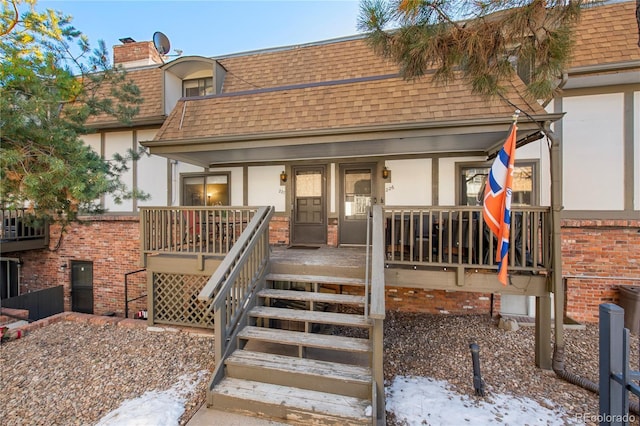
<point x="191" y="77"/>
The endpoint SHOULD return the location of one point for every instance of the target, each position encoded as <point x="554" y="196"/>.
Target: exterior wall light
<point x="385" y="173"/>
<point x="283" y="177"/>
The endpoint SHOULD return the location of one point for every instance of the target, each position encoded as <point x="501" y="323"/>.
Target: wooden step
<point x="311" y="296"/>
<point x="313" y="317"/>
<point x="317" y="279"/>
<point x="306" y="340"/>
<point x="294" y="405"/>
<point x="322" y="376"/>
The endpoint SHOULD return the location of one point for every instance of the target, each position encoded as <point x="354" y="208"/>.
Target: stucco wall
<point x="593" y="152"/>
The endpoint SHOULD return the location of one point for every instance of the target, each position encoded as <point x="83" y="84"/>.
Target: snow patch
<point x="158" y="408"/>
<point x="425" y="401"/>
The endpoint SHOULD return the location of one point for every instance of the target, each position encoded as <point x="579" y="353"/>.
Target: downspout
<point x="563" y="81"/>
<point x="556" y="274"/>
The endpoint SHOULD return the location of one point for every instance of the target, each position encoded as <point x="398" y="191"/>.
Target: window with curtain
<point x="206" y="190"/>
<point x="197" y="87"/>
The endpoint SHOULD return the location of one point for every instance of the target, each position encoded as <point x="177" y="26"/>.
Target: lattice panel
<point x="175" y="300"/>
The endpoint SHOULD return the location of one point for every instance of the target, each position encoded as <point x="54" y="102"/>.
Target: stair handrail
<point x="367" y="265"/>
<point x="226" y="267"/>
<point x="377" y="313"/>
<point x="233" y="287"/>
<point x="377" y="308"/>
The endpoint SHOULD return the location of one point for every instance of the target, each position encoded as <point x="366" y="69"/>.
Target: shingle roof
<point x="606" y="34"/>
<point x="306" y="64"/>
<point x="344" y="84"/>
<point x="368" y="102"/>
<point x="150" y="82"/>
<point x="341" y="84"/>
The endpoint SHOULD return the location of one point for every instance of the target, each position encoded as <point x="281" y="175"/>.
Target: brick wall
<point x="598" y="257"/>
<point x="332" y="235"/>
<point x="279" y="230"/>
<point x="438" y="301"/>
<point x="435" y="301"/>
<point x="110" y="243"/>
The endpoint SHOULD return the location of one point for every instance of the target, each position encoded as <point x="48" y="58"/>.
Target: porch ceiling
<point x="471" y="137"/>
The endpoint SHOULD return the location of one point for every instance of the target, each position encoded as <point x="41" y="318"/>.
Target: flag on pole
<point x="497" y="201"/>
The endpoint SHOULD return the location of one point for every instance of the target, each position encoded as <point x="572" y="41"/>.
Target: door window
<point x="309" y="204"/>
<point x="357" y="193"/>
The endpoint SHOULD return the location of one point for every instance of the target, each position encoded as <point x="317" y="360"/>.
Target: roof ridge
<point x="284" y="48"/>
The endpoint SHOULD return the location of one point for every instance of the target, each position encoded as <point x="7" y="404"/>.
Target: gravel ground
<point x="73" y="373"/>
<point x="70" y="373"/>
<point x="438" y="346"/>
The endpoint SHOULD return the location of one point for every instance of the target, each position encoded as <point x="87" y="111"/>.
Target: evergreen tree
<point x="47" y="93"/>
<point x="482" y="40"/>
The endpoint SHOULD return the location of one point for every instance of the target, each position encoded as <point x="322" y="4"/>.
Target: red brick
<point x="598" y="256"/>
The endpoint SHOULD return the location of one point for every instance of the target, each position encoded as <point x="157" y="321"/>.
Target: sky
<point x="212" y="27"/>
<point x="414" y="400"/>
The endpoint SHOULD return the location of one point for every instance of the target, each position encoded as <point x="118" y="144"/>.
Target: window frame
<point x="205" y="80"/>
<point x="535" y="179"/>
<point x="203" y="176"/>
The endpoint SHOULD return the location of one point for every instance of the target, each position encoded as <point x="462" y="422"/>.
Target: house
<point x="320" y="132"/>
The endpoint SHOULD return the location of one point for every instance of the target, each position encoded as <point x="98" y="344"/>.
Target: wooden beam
<point x="480" y="282"/>
<point x="190" y="264"/>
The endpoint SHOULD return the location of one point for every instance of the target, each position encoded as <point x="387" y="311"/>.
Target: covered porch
<point x="193" y="283"/>
<point x="434" y="248"/>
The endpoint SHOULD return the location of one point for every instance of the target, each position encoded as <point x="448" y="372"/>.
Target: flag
<point x="497" y="201"/>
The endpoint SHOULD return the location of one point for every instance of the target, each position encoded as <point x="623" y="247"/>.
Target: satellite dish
<point x="161" y="42"/>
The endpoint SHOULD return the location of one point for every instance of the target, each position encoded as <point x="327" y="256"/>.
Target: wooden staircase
<point x="296" y="360"/>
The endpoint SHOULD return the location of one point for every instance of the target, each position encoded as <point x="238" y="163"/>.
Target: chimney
<point x="131" y="54"/>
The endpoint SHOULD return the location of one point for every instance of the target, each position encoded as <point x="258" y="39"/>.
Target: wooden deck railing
<point x="377" y="313"/>
<point x="189" y="230"/>
<point x="19" y="230"/>
<point x="232" y="289"/>
<point x="458" y="236"/>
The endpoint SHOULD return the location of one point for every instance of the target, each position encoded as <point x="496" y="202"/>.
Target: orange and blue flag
<point x="497" y="201"/>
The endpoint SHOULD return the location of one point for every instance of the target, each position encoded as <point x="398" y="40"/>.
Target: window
<point x="205" y="190"/>
<point x="197" y="87"/>
<point x="473" y="180"/>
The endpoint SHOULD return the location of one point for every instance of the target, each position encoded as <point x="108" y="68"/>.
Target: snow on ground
<point x="414" y="400"/>
<point x="425" y="401"/>
<point x="155" y="408"/>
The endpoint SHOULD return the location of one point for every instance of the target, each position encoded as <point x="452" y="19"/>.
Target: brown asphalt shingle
<point x="606" y="34"/>
<point x="390" y="101"/>
<point x="264" y="91"/>
<point x="307" y="64"/>
<point x="149" y="81"/>
<point x="246" y="108"/>
<point x="334" y="85"/>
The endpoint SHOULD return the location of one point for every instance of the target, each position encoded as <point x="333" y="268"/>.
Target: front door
<point x="82" y="287"/>
<point x="356" y="195"/>
<point x="309" y="205"/>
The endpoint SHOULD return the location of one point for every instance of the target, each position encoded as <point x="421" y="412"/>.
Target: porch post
<point x="556" y="236"/>
<point x="150" y="298"/>
<point x="543" y="332"/>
